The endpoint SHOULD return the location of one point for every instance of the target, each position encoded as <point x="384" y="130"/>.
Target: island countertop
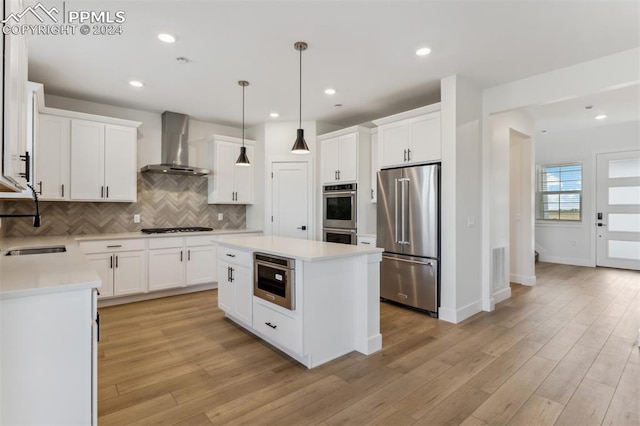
<point x="306" y="250"/>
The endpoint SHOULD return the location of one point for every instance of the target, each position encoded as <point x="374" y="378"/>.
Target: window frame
<point x="540" y="193"/>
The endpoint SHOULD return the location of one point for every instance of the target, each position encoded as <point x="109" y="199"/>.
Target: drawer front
<point x="281" y="329"/>
<point x="366" y="241"/>
<point x="165" y="242"/>
<point x="235" y="256"/>
<point x="112" y="246"/>
<point x="200" y="240"/>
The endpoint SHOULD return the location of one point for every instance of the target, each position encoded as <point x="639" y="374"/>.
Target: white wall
<point x="149" y="133"/>
<point x="574" y="243"/>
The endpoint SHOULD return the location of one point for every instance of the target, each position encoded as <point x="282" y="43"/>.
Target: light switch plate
<point x="220" y="216"/>
<point x="136" y="218"/>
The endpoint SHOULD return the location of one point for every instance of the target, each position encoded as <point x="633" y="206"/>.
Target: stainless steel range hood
<point x="175" y="148"/>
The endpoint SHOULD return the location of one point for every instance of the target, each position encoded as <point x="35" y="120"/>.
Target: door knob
<point x="303" y="227"/>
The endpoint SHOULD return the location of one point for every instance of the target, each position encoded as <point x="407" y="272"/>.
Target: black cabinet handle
<point x="405" y="155"/>
<point x="40" y="186"/>
<point x="229" y="273"/>
<point x="111" y="262"/>
<point x="338" y="174"/>
<point x="271" y="325"/>
<point x="365" y="242"/>
<point x="372" y="194"/>
<point x="102" y="192"/>
<point x="116" y="261"/>
<point x="27" y="166"/>
<point x="232" y="277"/>
<point x="115" y="246"/>
<point x="98" y="326"/>
<point x="61" y="191"/>
<point x="107" y="192"/>
<point x="409" y="155"/>
<point x="180" y="255"/>
<point x="231" y="255"/>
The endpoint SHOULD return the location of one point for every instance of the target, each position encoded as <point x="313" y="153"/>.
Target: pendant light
<point x="243" y="160"/>
<point x="300" y="146"/>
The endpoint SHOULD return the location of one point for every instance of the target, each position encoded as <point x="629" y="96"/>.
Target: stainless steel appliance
<point x="174" y="230"/>
<point x="274" y="279"/>
<point x="342" y="236"/>
<point x="339" y="206"/>
<point x="408" y="229"/>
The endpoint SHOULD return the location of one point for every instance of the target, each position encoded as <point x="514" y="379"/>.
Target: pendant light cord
<point x="243" y="116"/>
<point x="300" y="106"/>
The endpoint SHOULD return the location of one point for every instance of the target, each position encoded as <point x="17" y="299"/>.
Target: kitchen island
<point x="335" y="291"/>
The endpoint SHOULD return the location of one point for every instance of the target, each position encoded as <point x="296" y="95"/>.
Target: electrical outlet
<point x="220" y="216"/>
<point x="136" y="218"/>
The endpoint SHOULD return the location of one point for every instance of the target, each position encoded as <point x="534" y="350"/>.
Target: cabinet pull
<point x="229" y="273"/>
<point x="232" y="274"/>
<point x="102" y="192"/>
<point x="189" y="255"/>
<point x="40" y="186"/>
<point x="115" y="246"/>
<point x="107" y="192"/>
<point x="405" y="155"/>
<point x="116" y="261"/>
<point x="27" y="166"/>
<point x="62" y="190"/>
<point x="231" y="255"/>
<point x="111" y="262"/>
<point x="365" y="242"/>
<point x="180" y="255"/>
<point x="271" y="325"/>
<point x="408" y="155"/>
<point x="372" y="194"/>
<point x="335" y="175"/>
<point x="98" y="325"/>
<point x="338" y="174"/>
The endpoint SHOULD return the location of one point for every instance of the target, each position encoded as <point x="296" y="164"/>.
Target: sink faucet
<point x="35" y="216"/>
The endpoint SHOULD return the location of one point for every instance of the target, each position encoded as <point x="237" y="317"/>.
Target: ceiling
<point x="363" y="49"/>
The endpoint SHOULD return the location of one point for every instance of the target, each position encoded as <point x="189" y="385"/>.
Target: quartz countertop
<point x="306" y="250"/>
<point x="129" y="235"/>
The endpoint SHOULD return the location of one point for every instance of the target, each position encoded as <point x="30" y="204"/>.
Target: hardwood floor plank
<point x="505" y="402"/>
<point x="537" y="411"/>
<point x="562" y="342"/>
<point x="625" y="405"/>
<point x="608" y="366"/>
<point x="587" y="406"/>
<point x="137" y="411"/>
<point x="560" y="385"/>
<point x="455" y="408"/>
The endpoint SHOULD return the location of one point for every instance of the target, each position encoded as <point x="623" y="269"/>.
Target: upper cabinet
<point x="339" y="156"/>
<point x="230" y="184"/>
<point x="103" y="162"/>
<point x="15" y="161"/>
<point x="52" y="159"/>
<point x="375" y="167"/>
<point x="408" y="138"/>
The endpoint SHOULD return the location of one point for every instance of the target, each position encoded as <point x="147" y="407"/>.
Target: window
<point x="559" y="193"/>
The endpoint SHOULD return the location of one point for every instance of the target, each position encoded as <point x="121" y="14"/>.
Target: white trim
<point x="459" y="315"/>
<point x="89" y="117"/>
<point x="576" y="261"/>
<point x="408" y="114"/>
<point x="501" y="295"/>
<point x="342" y="132"/>
<point x="529" y="280"/>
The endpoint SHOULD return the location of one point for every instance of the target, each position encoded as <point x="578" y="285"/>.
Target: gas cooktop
<point x="174" y="230"/>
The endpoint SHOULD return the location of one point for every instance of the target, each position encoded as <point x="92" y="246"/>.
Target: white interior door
<point x="290" y="200"/>
<point x="618" y="210"/>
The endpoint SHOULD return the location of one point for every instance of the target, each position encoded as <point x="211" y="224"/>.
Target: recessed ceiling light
<point x="274" y="115"/>
<point x="167" y="38"/>
<point x="600" y="117"/>
<point x="330" y="91"/>
<point x="423" y="51"/>
<point x="136" y="83"/>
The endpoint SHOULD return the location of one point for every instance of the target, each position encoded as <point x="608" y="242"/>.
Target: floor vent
<point x="498" y="273"/>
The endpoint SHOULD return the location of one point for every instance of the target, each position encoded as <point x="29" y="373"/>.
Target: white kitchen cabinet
<point x="52" y="154"/>
<point x="375" y="168"/>
<point x="48" y="361"/>
<point x="121" y="264"/>
<point x="230" y="184"/>
<point x="103" y="162"/>
<point x="201" y="266"/>
<point x="14" y="106"/>
<point x="409" y="138"/>
<point x="339" y="158"/>
<point x="235" y="284"/>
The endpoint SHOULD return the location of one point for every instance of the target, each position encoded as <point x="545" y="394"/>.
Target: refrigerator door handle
<point x="395" y="213"/>
<point x="405" y="260"/>
<point x="403" y="212"/>
<point x="405" y="232"/>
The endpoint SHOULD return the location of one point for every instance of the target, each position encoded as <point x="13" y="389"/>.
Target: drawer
<point x="112" y="246"/>
<point x="279" y="328"/>
<point x="200" y="240"/>
<point x="235" y="256"/>
<point x="367" y="241"/>
<point x="165" y="242"/>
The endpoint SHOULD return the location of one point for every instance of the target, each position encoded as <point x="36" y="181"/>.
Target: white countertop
<point x="34" y="274"/>
<point x="306" y="250"/>
<point x="129" y="235"/>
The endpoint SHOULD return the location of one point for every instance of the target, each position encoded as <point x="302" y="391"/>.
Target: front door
<point x="617" y="218"/>
<point x="290" y="200"/>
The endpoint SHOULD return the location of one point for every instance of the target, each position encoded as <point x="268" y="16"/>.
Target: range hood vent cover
<point x="175" y="148"/>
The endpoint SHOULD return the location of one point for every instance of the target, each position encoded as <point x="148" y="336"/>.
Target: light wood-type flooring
<point x="561" y="352"/>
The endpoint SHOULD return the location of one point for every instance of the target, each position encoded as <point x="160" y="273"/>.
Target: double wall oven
<point x="339" y="212"/>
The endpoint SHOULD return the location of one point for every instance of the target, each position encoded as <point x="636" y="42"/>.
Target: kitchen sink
<point x="36" y="250"/>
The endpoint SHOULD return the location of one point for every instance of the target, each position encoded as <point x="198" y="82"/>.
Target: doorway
<point x="618" y="210"/>
<point x="290" y="199"/>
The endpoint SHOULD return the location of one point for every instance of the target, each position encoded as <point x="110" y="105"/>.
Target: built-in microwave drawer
<point x="279" y="328"/>
<point x="111" y="246"/>
<point x="239" y="257"/>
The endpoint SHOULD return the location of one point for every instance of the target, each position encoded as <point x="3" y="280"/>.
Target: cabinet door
<point x="202" y="264"/>
<point x="226" y="292"/>
<point x="52" y="157"/>
<point x="166" y="268"/>
<point x="120" y="175"/>
<point x="330" y="158"/>
<point x="130" y="272"/>
<point x="392" y="143"/>
<point x="103" y="265"/>
<point x="87" y="160"/>
<point x="375" y="168"/>
<point x="244" y="178"/>
<point x="221" y="184"/>
<point x="243" y="293"/>
<point x="348" y="158"/>
<point x="424" y="138"/>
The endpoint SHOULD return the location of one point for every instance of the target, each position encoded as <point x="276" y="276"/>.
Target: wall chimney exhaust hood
<point x="175" y="148"/>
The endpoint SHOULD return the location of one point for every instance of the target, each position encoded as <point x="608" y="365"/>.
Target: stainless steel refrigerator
<point x="408" y="230"/>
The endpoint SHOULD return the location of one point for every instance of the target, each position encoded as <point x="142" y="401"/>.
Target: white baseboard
<point x="458" y="315"/>
<point x="112" y="301"/>
<point x="502" y="294"/>
<point x="567" y="260"/>
<point x="529" y="280"/>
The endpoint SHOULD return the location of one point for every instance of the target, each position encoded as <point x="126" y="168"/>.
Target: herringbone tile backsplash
<point x="163" y="201"/>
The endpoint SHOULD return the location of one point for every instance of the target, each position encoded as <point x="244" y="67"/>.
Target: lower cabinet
<point x="121" y="264"/>
<point x="235" y="284"/>
<point x="282" y="329"/>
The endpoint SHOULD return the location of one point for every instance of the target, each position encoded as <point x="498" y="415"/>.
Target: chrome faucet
<point x="35" y="216"/>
